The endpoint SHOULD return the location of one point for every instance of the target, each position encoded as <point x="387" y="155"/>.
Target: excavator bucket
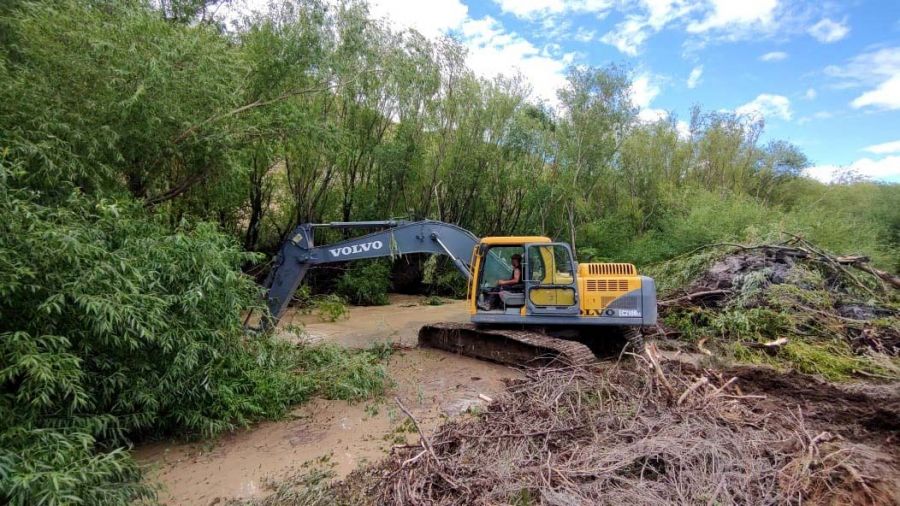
<point x="512" y="347"/>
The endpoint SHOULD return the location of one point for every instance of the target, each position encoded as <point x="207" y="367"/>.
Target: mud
<point x="861" y="411"/>
<point x="398" y="322"/>
<point x="434" y="385"/>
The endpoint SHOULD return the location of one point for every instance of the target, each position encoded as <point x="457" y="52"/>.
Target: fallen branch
<point x="721" y="388"/>
<point x="862" y="263"/>
<point x="692" y="296"/>
<point x="653" y="355"/>
<point x="776" y="343"/>
<point x="697" y="384"/>
<point x="426" y="443"/>
<point x="702" y="348"/>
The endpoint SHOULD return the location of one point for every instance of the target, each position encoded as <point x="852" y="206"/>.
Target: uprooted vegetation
<point x="788" y="305"/>
<point x="641" y="433"/>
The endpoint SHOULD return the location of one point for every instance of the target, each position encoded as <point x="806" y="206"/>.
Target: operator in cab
<point x="490" y="301"/>
<point x="516" y="276"/>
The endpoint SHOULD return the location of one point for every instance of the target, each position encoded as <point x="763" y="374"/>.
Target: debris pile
<point x="646" y="432"/>
<point x="790" y="304"/>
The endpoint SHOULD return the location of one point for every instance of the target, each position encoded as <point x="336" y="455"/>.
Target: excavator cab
<point x="549" y="279"/>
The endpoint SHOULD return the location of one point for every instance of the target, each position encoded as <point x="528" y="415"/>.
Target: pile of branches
<point x="805" y="291"/>
<point x="798" y="248"/>
<point x="644" y="432"/>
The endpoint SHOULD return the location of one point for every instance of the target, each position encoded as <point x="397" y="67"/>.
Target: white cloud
<point x="652" y="115"/>
<point x="827" y="31"/>
<point x="432" y="18"/>
<point x="653" y="15"/>
<point x="768" y="106"/>
<point x="533" y="8"/>
<point x="493" y="50"/>
<point x="694" y="79"/>
<point x="884" y="148"/>
<point x="885" y="169"/>
<point x="878" y="69"/>
<point x="810" y="94"/>
<point x="628" y="37"/>
<point x="730" y="13"/>
<point x="729" y="19"/>
<point x="774" y="56"/>
<point x="886" y="95"/>
<point x="585" y="35"/>
<point x="643" y="91"/>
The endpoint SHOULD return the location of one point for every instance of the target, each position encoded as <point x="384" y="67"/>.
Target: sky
<point x="823" y="75"/>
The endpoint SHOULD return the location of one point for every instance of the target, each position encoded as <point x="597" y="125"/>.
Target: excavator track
<point x="514" y="347"/>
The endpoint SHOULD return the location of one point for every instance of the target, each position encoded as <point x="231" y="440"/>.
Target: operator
<point x="516" y="276"/>
<point x="515" y="279"/>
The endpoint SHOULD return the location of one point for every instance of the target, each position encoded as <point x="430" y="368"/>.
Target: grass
<point x="834" y="360"/>
<point x="339" y="373"/>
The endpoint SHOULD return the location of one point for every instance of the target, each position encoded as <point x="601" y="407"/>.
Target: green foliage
<point x="342" y="374"/>
<point x="330" y="307"/>
<point x="114" y="327"/>
<point x="53" y="466"/>
<point x="433" y="300"/>
<point x="832" y="360"/>
<point x="105" y="95"/>
<point x="366" y="283"/>
<point x="443" y="278"/>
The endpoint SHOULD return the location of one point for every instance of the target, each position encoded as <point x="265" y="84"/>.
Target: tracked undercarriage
<point x="513" y="347"/>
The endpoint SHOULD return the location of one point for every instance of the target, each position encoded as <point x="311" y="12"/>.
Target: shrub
<point x="114" y="328"/>
<point x="366" y="283"/>
<point x="330" y="307"/>
<point x="433" y="300"/>
<point x="343" y="374"/>
<point x="443" y="278"/>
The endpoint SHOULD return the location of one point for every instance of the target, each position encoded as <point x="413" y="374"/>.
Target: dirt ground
<point x="431" y="383"/>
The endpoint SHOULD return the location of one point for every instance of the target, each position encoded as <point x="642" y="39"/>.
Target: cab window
<point x="498" y="264"/>
<point x="551" y="276"/>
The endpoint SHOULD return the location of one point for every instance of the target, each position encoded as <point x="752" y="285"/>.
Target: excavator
<point x="556" y="313"/>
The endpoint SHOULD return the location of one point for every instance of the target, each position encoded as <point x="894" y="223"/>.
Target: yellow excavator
<point x="549" y="309"/>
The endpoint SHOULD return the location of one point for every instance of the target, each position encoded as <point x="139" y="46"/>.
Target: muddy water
<point x="431" y="383"/>
<point x="398" y="322"/>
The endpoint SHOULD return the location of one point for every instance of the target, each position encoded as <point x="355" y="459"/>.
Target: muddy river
<point x="432" y="384"/>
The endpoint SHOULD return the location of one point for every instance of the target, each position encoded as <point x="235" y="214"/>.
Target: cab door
<point x="550" y="285"/>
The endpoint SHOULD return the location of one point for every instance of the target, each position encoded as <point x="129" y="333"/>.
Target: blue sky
<point x="824" y="75"/>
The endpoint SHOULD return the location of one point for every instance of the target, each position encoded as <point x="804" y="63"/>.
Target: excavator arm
<point x="394" y="237"/>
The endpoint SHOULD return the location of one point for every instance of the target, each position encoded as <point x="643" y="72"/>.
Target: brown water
<point x="432" y="384"/>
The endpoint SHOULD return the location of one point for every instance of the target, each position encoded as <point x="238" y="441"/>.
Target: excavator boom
<point x="392" y="238"/>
